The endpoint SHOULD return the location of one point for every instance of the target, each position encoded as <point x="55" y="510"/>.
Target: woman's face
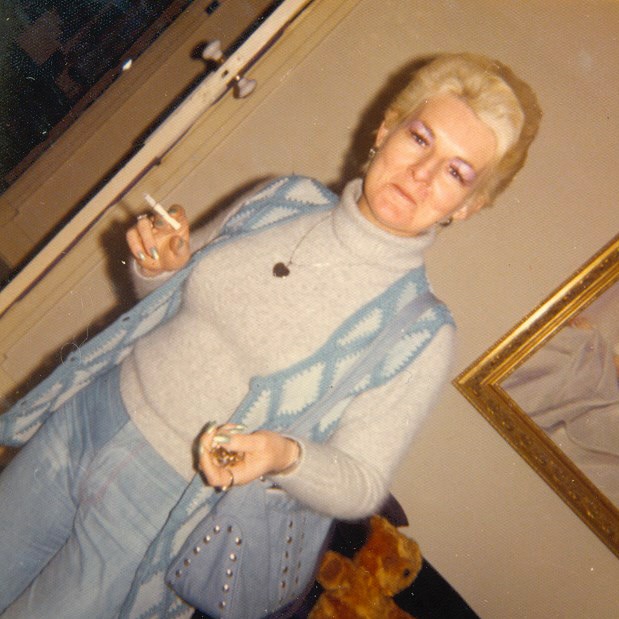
<point x="427" y="167"/>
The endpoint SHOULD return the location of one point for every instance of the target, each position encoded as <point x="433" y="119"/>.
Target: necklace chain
<point x="282" y="269"/>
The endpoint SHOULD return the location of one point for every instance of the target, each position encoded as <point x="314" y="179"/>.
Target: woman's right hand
<point x="156" y="246"/>
<point x="262" y="453"/>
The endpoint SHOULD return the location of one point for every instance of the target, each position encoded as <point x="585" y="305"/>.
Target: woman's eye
<point x="420" y="139"/>
<point x="464" y="176"/>
<point x="456" y="174"/>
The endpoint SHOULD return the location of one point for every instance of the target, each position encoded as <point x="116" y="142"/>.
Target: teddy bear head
<point x="392" y="558"/>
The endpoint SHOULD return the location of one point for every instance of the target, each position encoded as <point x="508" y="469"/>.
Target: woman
<point x="108" y="468"/>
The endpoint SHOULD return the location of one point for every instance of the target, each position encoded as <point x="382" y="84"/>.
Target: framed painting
<point x="550" y="387"/>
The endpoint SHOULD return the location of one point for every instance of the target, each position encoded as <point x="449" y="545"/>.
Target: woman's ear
<point x="475" y="203"/>
<point x="385" y="128"/>
<point x="381" y="135"/>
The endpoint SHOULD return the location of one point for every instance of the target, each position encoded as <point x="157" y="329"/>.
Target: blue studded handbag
<point x="258" y="549"/>
<point x="255" y="553"/>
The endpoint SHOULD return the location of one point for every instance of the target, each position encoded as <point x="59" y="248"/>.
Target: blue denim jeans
<point x="79" y="506"/>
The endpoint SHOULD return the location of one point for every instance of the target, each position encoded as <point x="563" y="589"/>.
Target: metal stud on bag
<point x="232" y="557"/>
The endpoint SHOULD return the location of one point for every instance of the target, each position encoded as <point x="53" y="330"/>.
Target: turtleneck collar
<point x="362" y="238"/>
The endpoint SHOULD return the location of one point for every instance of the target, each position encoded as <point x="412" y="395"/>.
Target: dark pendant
<point x="281" y="270"/>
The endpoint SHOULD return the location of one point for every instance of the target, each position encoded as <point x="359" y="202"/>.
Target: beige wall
<point x="483" y="517"/>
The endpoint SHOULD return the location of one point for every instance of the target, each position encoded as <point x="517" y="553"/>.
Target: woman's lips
<point x="407" y="196"/>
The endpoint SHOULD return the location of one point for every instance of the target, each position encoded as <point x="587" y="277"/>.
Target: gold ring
<point x="225" y="457"/>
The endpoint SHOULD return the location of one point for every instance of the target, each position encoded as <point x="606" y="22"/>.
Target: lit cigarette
<point x="161" y="211"/>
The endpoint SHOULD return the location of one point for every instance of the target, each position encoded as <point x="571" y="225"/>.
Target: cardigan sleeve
<point x="348" y="477"/>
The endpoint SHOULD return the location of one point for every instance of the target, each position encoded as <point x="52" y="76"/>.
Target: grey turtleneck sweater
<point x="238" y="321"/>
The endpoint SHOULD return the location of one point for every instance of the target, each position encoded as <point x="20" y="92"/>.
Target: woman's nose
<point x="423" y="170"/>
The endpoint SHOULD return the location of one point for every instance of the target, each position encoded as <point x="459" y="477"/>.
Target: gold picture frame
<point x="481" y="382"/>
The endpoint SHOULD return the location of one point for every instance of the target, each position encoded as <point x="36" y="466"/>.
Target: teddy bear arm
<point x="336" y="571"/>
<point x="332" y="606"/>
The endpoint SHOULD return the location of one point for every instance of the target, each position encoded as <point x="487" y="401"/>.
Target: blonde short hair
<point x="501" y="100"/>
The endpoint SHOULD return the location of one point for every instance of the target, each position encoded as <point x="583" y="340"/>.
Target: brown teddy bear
<point x="362" y="587"/>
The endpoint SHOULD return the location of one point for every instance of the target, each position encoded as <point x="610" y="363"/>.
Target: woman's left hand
<point x="262" y="453"/>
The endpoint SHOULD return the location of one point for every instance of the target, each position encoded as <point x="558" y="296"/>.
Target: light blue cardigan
<point x="279" y="201"/>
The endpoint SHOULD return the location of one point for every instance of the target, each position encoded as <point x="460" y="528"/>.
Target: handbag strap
<point x="376" y="352"/>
